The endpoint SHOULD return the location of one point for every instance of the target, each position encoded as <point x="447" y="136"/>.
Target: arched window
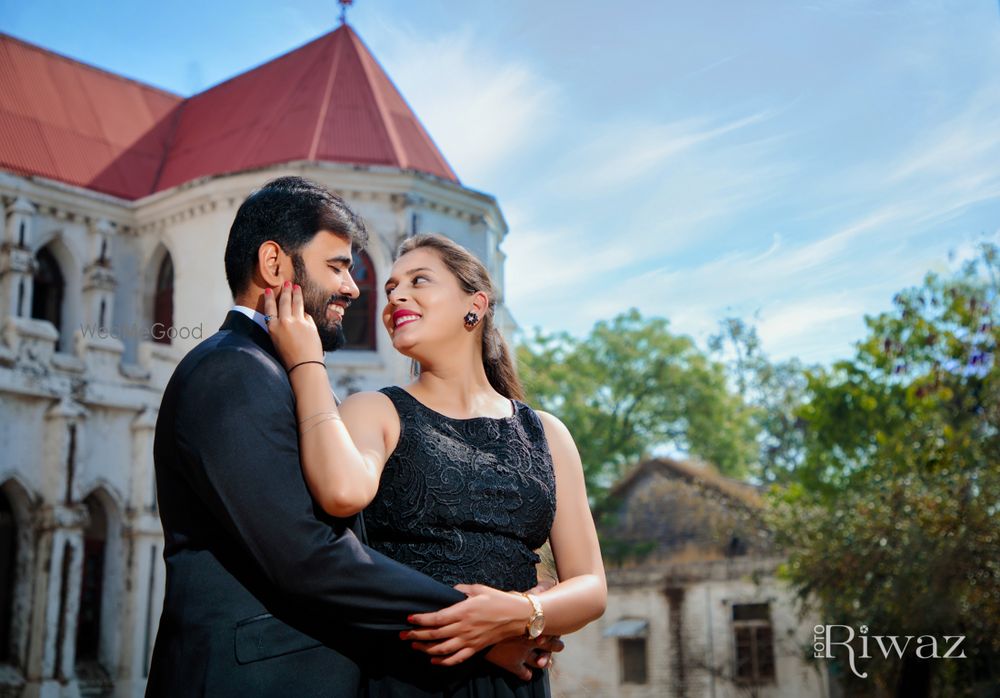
<point x="49" y="289"/>
<point x="163" y="301"/>
<point x="8" y="563"/>
<point x="95" y="537"/>
<point x="359" y="320"/>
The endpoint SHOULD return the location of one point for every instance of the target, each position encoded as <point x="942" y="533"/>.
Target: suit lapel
<point x="238" y="323"/>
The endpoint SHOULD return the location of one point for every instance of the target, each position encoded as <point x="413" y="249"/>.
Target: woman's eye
<point x="418" y="277"/>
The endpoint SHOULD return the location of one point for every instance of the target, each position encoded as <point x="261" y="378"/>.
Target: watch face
<point x="536" y="626"/>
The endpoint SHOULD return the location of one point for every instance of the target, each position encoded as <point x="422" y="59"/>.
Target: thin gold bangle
<point x="318" y="414"/>
<point x="328" y="419"/>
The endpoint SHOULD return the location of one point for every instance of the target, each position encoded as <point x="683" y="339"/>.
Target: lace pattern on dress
<point x="466" y="501"/>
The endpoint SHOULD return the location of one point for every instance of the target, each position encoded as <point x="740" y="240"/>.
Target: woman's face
<point x="424" y="303"/>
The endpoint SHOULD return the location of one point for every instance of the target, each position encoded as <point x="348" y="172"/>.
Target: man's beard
<point x="315" y="302"/>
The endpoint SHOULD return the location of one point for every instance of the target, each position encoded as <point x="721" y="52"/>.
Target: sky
<point x="794" y="163"/>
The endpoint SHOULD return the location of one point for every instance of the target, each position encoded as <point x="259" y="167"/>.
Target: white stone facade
<point x="78" y="402"/>
<point x="689" y="636"/>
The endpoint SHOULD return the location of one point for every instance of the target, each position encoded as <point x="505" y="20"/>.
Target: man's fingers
<point x="539" y="660"/>
<point x="550" y="643"/>
<point x="543" y="585"/>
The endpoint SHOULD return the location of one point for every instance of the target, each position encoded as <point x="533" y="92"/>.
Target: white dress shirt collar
<point x="253" y="315"/>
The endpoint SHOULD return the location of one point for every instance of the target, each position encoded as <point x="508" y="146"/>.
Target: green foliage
<point x="632" y="386"/>
<point x="771" y="393"/>
<point x="892" y="518"/>
<point x="884" y="466"/>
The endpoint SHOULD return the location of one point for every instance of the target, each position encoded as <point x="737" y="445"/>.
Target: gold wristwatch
<point x="536" y="624"/>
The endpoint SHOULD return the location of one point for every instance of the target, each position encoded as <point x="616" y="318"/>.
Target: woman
<point x="460" y="478"/>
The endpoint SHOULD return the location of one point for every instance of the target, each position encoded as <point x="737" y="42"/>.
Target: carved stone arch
<point x="56" y="286"/>
<point x="17" y="544"/>
<point x="101" y="580"/>
<point x="380" y="256"/>
<point x="110" y="495"/>
<point x="361" y="319"/>
<point x="158" y="291"/>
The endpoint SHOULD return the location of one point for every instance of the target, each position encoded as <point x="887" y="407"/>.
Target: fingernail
<point x="267" y="292"/>
<point x="288" y="284"/>
<point x="403" y="634"/>
<point x="410" y="619"/>
<point x="296" y="287"/>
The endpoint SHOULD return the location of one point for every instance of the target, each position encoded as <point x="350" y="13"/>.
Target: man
<point x="265" y="594"/>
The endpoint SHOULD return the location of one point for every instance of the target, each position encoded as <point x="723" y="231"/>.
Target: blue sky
<point x="793" y="162"/>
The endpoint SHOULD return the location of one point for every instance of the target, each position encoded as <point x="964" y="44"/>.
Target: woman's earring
<point x="471" y="319"/>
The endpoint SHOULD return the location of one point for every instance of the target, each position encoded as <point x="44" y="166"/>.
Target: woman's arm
<point x="454" y="634"/>
<point x="342" y="450"/>
<point x="582" y="594"/>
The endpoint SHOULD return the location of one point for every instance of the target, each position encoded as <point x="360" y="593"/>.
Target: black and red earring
<point x="471" y="319"/>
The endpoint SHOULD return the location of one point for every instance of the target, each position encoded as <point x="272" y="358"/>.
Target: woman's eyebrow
<point x="409" y="272"/>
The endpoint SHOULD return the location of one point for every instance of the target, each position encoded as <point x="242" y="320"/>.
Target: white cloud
<point x="482" y="108"/>
<point x="715" y="209"/>
<point x="626" y="151"/>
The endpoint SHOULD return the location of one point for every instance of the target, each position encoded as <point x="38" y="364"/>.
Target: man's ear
<point x="271" y="261"/>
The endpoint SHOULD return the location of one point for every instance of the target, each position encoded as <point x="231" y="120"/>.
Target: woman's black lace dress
<point x="466" y="501"/>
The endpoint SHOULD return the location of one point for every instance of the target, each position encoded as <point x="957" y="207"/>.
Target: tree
<point x="891" y="517"/>
<point x="772" y="393"/>
<point x="631" y="387"/>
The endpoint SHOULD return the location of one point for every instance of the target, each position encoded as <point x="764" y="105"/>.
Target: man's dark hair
<point x="290" y="211"/>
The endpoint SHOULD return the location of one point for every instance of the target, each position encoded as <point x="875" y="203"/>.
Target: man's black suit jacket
<point x="265" y="595"/>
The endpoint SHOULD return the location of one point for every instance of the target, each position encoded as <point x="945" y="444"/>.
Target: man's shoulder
<point x="228" y="354"/>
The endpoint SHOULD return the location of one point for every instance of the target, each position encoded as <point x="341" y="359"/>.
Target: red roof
<point x="328" y="100"/>
<point x="71" y="122"/>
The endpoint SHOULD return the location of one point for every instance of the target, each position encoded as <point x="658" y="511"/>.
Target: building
<point x="117" y="200"/>
<point x="694" y="607"/>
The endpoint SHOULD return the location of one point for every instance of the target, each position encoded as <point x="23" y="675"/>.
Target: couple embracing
<point x="384" y="546"/>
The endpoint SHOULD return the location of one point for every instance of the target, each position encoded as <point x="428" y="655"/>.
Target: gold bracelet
<point x="328" y="419"/>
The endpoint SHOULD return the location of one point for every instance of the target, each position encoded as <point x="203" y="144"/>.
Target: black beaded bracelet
<point x="305" y="362"/>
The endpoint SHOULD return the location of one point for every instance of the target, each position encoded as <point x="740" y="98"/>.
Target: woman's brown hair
<point x="472" y="277"/>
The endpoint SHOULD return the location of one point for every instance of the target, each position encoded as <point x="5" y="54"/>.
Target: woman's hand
<point x="293" y="332"/>
<point x="454" y="634"/>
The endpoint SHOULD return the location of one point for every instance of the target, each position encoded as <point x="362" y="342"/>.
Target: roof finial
<point x="344" y="4"/>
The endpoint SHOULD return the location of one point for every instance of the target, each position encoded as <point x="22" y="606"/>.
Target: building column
<point x="59" y="524"/>
<point x="96" y="341"/>
<point x="98" y="277"/>
<point x="56" y="599"/>
<point x="143" y="540"/>
<point x="16" y="261"/>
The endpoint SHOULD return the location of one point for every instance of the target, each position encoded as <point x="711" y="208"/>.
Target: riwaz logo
<point x="926" y="646"/>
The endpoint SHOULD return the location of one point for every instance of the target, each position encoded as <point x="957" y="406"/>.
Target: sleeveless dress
<point x="466" y="501"/>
